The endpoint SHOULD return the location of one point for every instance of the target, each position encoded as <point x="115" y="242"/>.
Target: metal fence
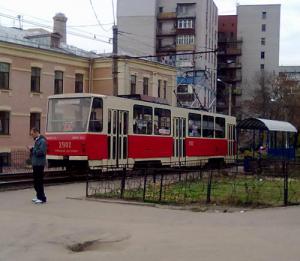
<point x="18" y="161"/>
<point x="268" y="183"/>
<point x="15" y="162"/>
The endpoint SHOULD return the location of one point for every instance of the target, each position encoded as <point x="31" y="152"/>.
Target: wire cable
<point x="89" y="36"/>
<point x="94" y="11"/>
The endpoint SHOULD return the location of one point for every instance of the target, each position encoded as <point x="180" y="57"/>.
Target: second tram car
<point x="95" y="130"/>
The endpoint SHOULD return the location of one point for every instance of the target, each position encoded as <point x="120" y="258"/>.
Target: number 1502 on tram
<point x="90" y="130"/>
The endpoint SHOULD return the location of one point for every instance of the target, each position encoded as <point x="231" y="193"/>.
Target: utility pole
<point x="115" y="61"/>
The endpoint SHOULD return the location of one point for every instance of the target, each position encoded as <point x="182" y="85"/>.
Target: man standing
<point x="38" y="154"/>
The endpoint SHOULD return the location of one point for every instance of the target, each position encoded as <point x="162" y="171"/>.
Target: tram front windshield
<point x="68" y="115"/>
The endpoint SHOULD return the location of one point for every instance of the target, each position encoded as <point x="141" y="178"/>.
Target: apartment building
<point x="175" y="32"/>
<point x="229" y="64"/>
<point x="248" y="46"/>
<point x="259" y="28"/>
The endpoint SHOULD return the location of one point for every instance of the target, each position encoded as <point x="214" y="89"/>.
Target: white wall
<point x="138" y="21"/>
<point x="249" y="29"/>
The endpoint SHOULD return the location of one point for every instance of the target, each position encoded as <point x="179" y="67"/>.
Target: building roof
<point x="263" y="124"/>
<point x="39" y="38"/>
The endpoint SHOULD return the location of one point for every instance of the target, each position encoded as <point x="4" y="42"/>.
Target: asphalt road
<point x="109" y="231"/>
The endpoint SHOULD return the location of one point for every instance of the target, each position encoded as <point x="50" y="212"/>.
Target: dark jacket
<point x="39" y="151"/>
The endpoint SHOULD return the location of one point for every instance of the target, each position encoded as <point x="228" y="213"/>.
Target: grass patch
<point x="250" y="191"/>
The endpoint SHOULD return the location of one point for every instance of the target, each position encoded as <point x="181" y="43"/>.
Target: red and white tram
<point x="96" y="130"/>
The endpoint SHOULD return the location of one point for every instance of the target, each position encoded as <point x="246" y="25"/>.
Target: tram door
<point x="231" y="139"/>
<point x="179" y="134"/>
<point x="117" y="137"/>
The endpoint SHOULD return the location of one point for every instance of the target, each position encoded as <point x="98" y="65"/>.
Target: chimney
<point x="60" y="26"/>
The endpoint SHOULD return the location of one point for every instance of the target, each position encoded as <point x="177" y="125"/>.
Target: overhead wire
<point x="87" y="25"/>
<point x="37" y="22"/>
<point x="94" y="11"/>
<point x="88" y="35"/>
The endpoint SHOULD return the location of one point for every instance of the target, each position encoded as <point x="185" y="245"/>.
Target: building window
<point x="165" y="89"/>
<point x="142" y="119"/>
<point x="262" y="67"/>
<point x="182" y="9"/>
<point x="133" y="84"/>
<point x="4" y="122"/>
<point x="263" y="27"/>
<point x="159" y="88"/>
<point x="5" y="160"/>
<point x="35" y="120"/>
<point x="161" y="9"/>
<point x="264" y="15"/>
<point x="78" y="83"/>
<point x="35" y="79"/>
<point x="185" y="24"/>
<point x="4" y="76"/>
<point x="185" y="39"/>
<point x="262" y="55"/>
<point x="59" y="82"/>
<point x="263" y="41"/>
<point x="162" y="122"/>
<point x="145" y="85"/>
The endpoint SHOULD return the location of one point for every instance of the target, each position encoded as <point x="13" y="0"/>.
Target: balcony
<point x="185" y="47"/>
<point x="229" y="40"/>
<point x="231" y="51"/>
<point x="186" y="97"/>
<point x="229" y="66"/>
<point x="185" y="63"/>
<point x="167" y="16"/>
<point x="186" y="10"/>
<point x="167" y="48"/>
<point x="186" y="31"/>
<point x="231" y="79"/>
<point x="164" y="33"/>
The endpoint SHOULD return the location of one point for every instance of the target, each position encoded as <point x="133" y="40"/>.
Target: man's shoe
<point x="34" y="200"/>
<point x="38" y="201"/>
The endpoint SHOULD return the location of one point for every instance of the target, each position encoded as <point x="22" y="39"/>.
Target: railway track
<point x="25" y="180"/>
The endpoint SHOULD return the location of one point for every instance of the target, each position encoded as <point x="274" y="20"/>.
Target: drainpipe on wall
<point x="91" y="63"/>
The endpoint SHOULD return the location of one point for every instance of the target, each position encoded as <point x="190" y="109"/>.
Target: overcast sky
<point x="81" y="20"/>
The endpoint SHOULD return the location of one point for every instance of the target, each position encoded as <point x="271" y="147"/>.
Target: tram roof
<point x="158" y="101"/>
<point x="263" y="124"/>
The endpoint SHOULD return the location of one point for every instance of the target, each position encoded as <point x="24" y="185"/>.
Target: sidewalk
<point x="129" y="232"/>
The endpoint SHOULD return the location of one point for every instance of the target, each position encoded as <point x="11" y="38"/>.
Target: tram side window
<point x="162" y="122"/>
<point x="96" y="118"/>
<point x="142" y="119"/>
<point x="220" y="127"/>
<point x="194" y="125"/>
<point x="208" y="126"/>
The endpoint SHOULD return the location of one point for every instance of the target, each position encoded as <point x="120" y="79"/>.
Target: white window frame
<point x="185" y="24"/>
<point x="185" y="39"/>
